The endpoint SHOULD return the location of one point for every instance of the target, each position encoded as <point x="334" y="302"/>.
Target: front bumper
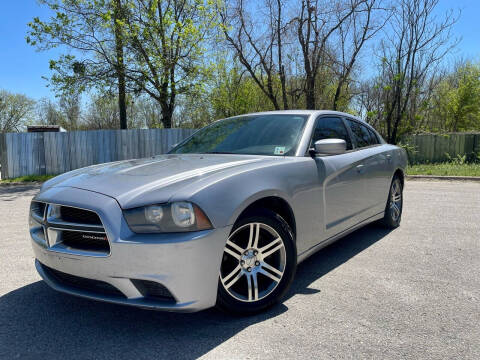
<point x="187" y="264"/>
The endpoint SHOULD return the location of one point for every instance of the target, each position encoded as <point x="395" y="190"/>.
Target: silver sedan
<point x="223" y="218"/>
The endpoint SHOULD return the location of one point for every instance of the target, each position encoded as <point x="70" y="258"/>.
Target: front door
<point x="341" y="179"/>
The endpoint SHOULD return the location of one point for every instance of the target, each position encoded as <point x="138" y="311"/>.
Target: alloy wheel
<point x="253" y="262"/>
<point x="396" y="199"/>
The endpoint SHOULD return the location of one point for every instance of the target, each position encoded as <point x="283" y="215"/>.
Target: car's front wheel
<point x="258" y="264"/>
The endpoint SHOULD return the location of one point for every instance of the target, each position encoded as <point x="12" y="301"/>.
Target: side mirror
<point x="330" y="146"/>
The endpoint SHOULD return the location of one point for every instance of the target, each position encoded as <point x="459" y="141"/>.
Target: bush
<point x="411" y="151"/>
<point x="470" y="158"/>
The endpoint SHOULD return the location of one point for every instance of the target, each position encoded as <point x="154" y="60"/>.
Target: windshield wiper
<point x="217" y="152"/>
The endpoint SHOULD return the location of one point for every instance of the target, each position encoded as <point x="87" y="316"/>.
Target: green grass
<point x="444" y="169"/>
<point x="26" y="179"/>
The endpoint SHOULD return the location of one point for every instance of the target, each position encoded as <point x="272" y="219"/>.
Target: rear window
<point x="362" y="135"/>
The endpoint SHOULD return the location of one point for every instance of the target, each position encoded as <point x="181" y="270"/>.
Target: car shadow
<point x="37" y="322"/>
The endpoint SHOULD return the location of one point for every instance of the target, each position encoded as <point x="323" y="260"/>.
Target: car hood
<point x="155" y="179"/>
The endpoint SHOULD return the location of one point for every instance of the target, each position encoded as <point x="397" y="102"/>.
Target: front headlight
<point x="175" y="217"/>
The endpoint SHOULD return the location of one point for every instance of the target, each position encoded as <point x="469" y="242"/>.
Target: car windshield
<point x="252" y="135"/>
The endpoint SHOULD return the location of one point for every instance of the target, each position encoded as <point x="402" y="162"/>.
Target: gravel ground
<point x="410" y="293"/>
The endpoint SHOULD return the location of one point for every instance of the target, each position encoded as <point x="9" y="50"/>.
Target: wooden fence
<point x="434" y="148"/>
<point x="51" y="153"/>
<point x="48" y="153"/>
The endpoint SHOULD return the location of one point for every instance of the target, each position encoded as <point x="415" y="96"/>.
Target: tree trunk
<point x="122" y="103"/>
<point x="167" y="99"/>
<point x="396" y="124"/>
<point x="167" y="115"/>
<point x="337" y="96"/>
<point x="310" y="93"/>
<point x="393" y="137"/>
<point x="120" y="65"/>
<point x="281" y="68"/>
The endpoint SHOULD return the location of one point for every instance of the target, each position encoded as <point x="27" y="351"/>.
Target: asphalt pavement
<point x="411" y="293"/>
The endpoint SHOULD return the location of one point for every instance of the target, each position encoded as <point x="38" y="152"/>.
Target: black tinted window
<point x="331" y="128"/>
<point x="373" y="137"/>
<point x="361" y="134"/>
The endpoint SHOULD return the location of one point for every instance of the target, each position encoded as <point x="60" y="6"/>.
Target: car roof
<point x="303" y="112"/>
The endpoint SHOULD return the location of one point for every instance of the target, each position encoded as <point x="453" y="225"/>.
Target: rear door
<point x="374" y="169"/>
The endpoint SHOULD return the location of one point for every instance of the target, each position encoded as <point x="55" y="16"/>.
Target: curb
<point x="438" y="177"/>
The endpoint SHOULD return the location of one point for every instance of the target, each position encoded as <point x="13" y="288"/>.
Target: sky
<point x="22" y="67"/>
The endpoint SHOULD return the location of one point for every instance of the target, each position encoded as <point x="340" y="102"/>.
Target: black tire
<point x="226" y="301"/>
<point x="393" y="217"/>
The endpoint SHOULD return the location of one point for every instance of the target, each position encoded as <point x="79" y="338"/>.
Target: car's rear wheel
<point x="258" y="264"/>
<point x="393" y="210"/>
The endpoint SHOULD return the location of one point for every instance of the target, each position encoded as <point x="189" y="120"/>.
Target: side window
<point x="361" y="134"/>
<point x="374" y="138"/>
<point x="330" y="128"/>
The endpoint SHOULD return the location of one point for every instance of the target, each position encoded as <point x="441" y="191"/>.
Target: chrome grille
<point x="86" y="241"/>
<point x="71" y="214"/>
<point x="68" y="229"/>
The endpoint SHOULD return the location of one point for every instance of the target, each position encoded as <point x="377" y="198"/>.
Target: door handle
<point x="360" y="168"/>
<point x="389" y="157"/>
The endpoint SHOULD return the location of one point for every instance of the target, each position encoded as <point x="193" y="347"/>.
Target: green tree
<point x="70" y="107"/>
<point x="103" y="113"/>
<point x="156" y="47"/>
<point x="166" y="48"/>
<point x="92" y="32"/>
<point x="457" y="99"/>
<point x="48" y="112"/>
<point x="16" y="111"/>
<point x="227" y="92"/>
<point x="418" y="40"/>
<point x="236" y="93"/>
